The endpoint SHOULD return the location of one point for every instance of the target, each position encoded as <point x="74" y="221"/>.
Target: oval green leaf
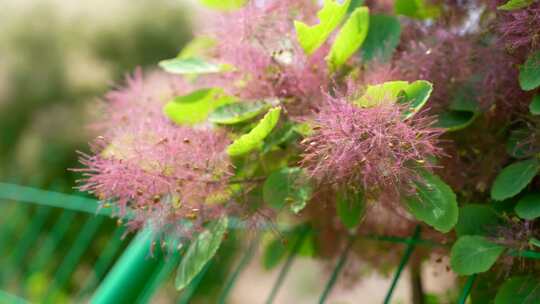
<point x="434" y="203"/>
<point x="194" y="107"/>
<point x="528" y="207"/>
<point x="514" y="178"/>
<point x="191" y="66"/>
<point x="349" y="39"/>
<point x="254" y="139"/>
<point x="350" y="208"/>
<point x="519" y="290"/>
<point x="237" y="112"/>
<point x="201" y="250"/>
<point x="515" y="4"/>
<point x="330" y="16"/>
<point x="476" y="219"/>
<point x="415" y="95"/>
<point x="534" y="106"/>
<point x="287" y="186"/>
<point x="455" y="120"/>
<point x="382" y="38"/>
<point x="474" y="254"/>
<point x="529" y="73"/>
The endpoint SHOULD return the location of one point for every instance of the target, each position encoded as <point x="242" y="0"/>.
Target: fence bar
<point x="70" y="261"/>
<point x="285" y="269"/>
<point x="52" y="199"/>
<point x="246" y="258"/>
<point x="161" y="273"/>
<point x="467" y="289"/>
<point x="408" y="252"/>
<point x="337" y="270"/>
<point x="104" y="261"/>
<point x="129" y="275"/>
<point x="52" y="241"/>
<point x="11" y="299"/>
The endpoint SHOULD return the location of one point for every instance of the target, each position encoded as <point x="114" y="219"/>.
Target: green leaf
<point x="224" y="4"/>
<point x="281" y="136"/>
<point x="474" y="254"/>
<point x="287" y="186"/>
<point x="191" y="66"/>
<point x="330" y="16"/>
<point x="254" y="139"/>
<point x="434" y="203"/>
<point x="519" y="290"/>
<point x="455" y="120"/>
<point x="528" y="207"/>
<point x="514" y="178"/>
<point x="376" y="94"/>
<point x="350" y="38"/>
<point x="416" y="9"/>
<point x="234" y="113"/>
<point x="517" y="145"/>
<point x="534" y="242"/>
<point x="515" y="4"/>
<point x="350" y="208"/>
<point x="475" y="219"/>
<point x="414" y="94"/>
<point x="201" y="250"/>
<point x="194" y="107"/>
<point x="534" y="106"/>
<point x="273" y="253"/>
<point x="382" y="38"/>
<point x="529" y="73"/>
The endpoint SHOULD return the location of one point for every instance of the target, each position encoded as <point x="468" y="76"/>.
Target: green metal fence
<point x="47" y="217"/>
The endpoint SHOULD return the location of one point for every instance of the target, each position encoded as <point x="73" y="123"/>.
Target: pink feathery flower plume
<point x="259" y="40"/>
<point x="520" y="29"/>
<point x="372" y="148"/>
<point x="145" y="163"/>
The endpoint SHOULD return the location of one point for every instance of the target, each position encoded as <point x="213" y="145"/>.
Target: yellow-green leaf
<point x="224" y="4"/>
<point x="515" y="4"/>
<point x="201" y="250"/>
<point x="255" y="137"/>
<point x="350" y="38"/>
<point x="194" y="108"/>
<point x="192" y="65"/>
<point x="330" y="16"/>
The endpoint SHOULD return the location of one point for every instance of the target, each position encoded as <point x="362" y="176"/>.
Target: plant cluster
<point x="355" y="119"/>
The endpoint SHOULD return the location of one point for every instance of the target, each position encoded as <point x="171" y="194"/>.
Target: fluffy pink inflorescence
<point x="373" y="148"/>
<point x="145" y="163"/>
<point x="520" y="29"/>
<point x="259" y="40"/>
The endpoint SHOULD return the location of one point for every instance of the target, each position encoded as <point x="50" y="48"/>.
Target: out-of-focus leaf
<point x="330" y="16"/>
<point x="534" y="106"/>
<point x="194" y="107"/>
<point x="382" y="38"/>
<point x="350" y="207"/>
<point x="201" y="250"/>
<point x="418" y="9"/>
<point x="350" y="38"/>
<point x="528" y="207"/>
<point x="192" y="66"/>
<point x="224" y="4"/>
<point x="529" y="73"/>
<point x="519" y="290"/>
<point x="237" y="112"/>
<point x="514" y="178"/>
<point x="515" y="4"/>
<point x="287" y="186"/>
<point x="254" y="139"/>
<point x="475" y="219"/>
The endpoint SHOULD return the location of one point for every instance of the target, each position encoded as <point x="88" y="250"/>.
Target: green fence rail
<point x="136" y="275"/>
